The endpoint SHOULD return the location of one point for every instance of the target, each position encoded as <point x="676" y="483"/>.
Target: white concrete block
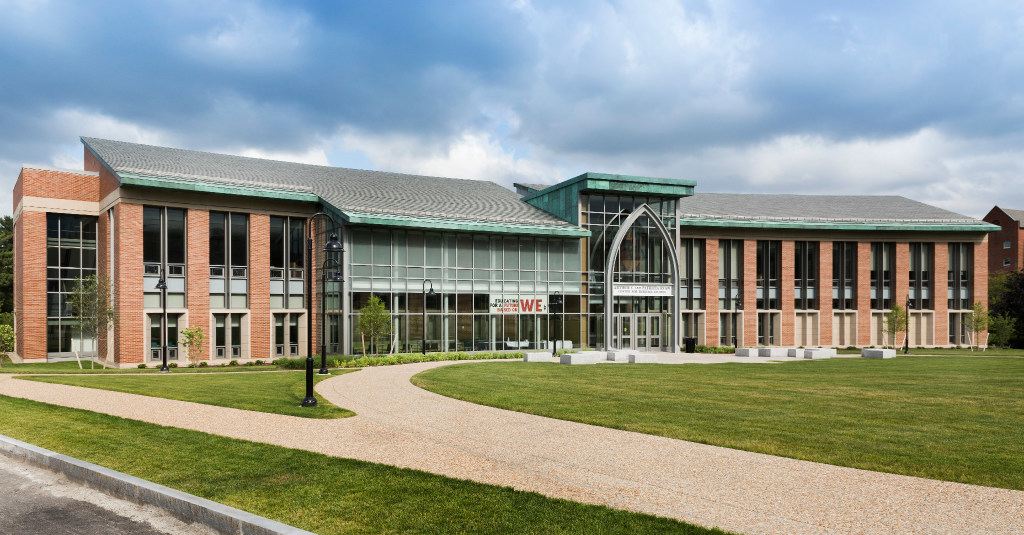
<point x="746" y="351"/>
<point x="773" y="352"/>
<point x="794" y="352"/>
<point x="584" y="357"/>
<point x="537" y="356"/>
<point x="643" y="358"/>
<point x="819" y="353"/>
<point x="878" y="353"/>
<point x="619" y="355"/>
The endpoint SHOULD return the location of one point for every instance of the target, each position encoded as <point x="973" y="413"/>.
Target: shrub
<point x="397" y="358"/>
<point x="258" y="362"/>
<point x="233" y="363"/>
<point x="722" y="350"/>
<point x="203" y="364"/>
<point x="6" y="338"/>
<point x="172" y="365"/>
<point x="142" y="366"/>
<point x="7" y="318"/>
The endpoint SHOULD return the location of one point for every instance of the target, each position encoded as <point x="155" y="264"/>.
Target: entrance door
<point x="640" y="331"/>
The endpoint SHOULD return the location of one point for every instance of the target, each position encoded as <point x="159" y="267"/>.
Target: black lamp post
<point x="162" y="286"/>
<point x="333" y="246"/>
<point x="310" y="399"/>
<point x="906" y="337"/>
<point x="556" y="299"/>
<point x="423" y="338"/>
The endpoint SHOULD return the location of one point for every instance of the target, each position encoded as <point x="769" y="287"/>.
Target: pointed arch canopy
<point x="609" y="272"/>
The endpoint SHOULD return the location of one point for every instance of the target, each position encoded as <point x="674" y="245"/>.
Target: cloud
<point x="249" y="36"/>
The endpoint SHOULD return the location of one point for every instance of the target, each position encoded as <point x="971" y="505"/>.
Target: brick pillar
<point x="130" y="325"/>
<point x="940" y="289"/>
<point x="786" y="286"/>
<point x="863" y="293"/>
<point x="30" y="285"/>
<point x="259" y="287"/>
<point x="749" y="293"/>
<point x="198" y="279"/>
<point x="979" y="286"/>
<point x="711" y="318"/>
<point x="102" y="274"/>
<point x="825" y="294"/>
<point x="902" y="285"/>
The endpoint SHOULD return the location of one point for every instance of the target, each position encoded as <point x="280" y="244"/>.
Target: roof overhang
<point x="613" y="183"/>
<point x="391" y="220"/>
<point x="150" y="181"/>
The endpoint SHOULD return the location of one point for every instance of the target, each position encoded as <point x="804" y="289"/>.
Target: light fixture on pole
<point x="310" y="399"/>
<point x="423" y="338"/>
<point x="556" y="299"/>
<point x="332" y="254"/>
<point x="162" y="286"/>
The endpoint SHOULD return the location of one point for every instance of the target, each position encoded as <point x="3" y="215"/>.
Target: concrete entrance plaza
<point x="402" y="425"/>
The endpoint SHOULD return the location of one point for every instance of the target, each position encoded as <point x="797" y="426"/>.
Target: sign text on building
<point x="519" y="304"/>
<point x="632" y="289"/>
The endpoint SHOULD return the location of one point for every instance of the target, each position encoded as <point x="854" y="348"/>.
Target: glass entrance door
<point x="639" y="331"/>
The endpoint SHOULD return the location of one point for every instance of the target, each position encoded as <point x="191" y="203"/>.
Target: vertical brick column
<point x="259" y="286"/>
<point x="749" y="293"/>
<point x="786" y="286"/>
<point x="198" y="277"/>
<point x="825" y="294"/>
<point x="902" y="285"/>
<point x="711" y="320"/>
<point x="30" y="285"/>
<point x="130" y="325"/>
<point x="979" y="286"/>
<point x="102" y="273"/>
<point x="940" y="289"/>
<point x="863" y="293"/>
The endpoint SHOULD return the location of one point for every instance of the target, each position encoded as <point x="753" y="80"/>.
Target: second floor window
<point x="805" y="275"/>
<point x="883" y="259"/>
<point x="730" y="274"/>
<point x="163" y="254"/>
<point x="769" y="265"/>
<point x="287" y="275"/>
<point x="961" y="263"/>
<point x="229" y="260"/>
<point x="844" y="275"/>
<point x="919" y="295"/>
<point x="691" y="273"/>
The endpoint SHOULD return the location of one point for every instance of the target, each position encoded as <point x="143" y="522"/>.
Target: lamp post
<point x="556" y="299"/>
<point x="906" y="337"/>
<point x="327" y="276"/>
<point x="162" y="286"/>
<point x="335" y="247"/>
<point x="423" y="338"/>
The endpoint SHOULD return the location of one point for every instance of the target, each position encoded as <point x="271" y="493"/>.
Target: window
<point x="805" y="275"/>
<point x="769" y="265"/>
<point x="70" y="257"/>
<point x="1006" y="262"/>
<point x="286" y="334"/>
<point x="730" y="274"/>
<point x="691" y="267"/>
<point x="163" y="255"/>
<point x="229" y="260"/>
<point x="287" y="276"/>
<point x="961" y="262"/>
<point x="844" y="275"/>
<point x="156" y="340"/>
<point x="228" y="337"/>
<point x="919" y="296"/>
<point x="1006" y="244"/>
<point x="883" y="260"/>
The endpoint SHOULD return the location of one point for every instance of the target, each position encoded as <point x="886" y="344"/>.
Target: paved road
<point x="402" y="425"/>
<point x="37" y="501"/>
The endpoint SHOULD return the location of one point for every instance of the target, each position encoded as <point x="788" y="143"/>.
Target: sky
<point x="921" y="99"/>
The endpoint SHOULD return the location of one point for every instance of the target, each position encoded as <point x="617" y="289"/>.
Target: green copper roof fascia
<point x="633" y="187"/>
<point x="671" y="186"/>
<point x="467" y="226"/>
<point x="811" y="225"/>
<point x="132" y="179"/>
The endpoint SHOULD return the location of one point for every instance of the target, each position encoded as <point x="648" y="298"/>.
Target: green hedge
<point x="716" y="349"/>
<point x="397" y="358"/>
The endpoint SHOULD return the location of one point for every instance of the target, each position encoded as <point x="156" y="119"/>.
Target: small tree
<point x="977" y="323"/>
<point x="374" y="321"/>
<point x="193" y="338"/>
<point x="1000" y="329"/>
<point x="89" y="300"/>
<point x="6" y="341"/>
<point x="895" y="322"/>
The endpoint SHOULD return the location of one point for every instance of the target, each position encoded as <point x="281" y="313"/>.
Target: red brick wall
<point x="56" y="185"/>
<point x="787" y="305"/>
<point x="259" y="287"/>
<point x="902" y="282"/>
<point x="940" y="280"/>
<point x="980" y="283"/>
<point x="711" y="319"/>
<point x="825" y="294"/>
<point x="863" y="293"/>
<point x="1010" y="232"/>
<point x="102" y="272"/>
<point x="198" y="277"/>
<point x="128" y="282"/>
<point x="107" y="182"/>
<point x="749" y="293"/>
<point x="30" y="285"/>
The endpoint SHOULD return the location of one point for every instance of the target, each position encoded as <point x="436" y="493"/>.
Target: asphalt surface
<point x="36" y="501"/>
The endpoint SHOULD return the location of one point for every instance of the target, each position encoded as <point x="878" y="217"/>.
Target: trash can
<point x="690" y="345"/>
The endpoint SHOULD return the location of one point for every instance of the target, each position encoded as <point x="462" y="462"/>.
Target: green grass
<point x="950" y="418"/>
<point x="279" y="393"/>
<point x="323" y="494"/>
<point x="72" y="367"/>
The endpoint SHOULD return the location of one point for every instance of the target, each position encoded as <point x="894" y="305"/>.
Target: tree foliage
<point x="977" y="323"/>
<point x="89" y="299"/>
<point x="895" y="323"/>
<point x="6" y="264"/>
<point x="375" y="322"/>
<point x="1006" y="301"/>
<point x="193" y="338"/>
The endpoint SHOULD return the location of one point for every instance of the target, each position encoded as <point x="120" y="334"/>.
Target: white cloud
<point x="252" y="37"/>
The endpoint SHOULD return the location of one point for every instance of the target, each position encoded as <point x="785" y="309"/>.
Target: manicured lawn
<point x="72" y="367"/>
<point x="322" y="494"/>
<point x="950" y="418"/>
<point x="951" y="352"/>
<point x="279" y="392"/>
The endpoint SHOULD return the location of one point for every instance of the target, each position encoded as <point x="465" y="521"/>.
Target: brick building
<point x="467" y="265"/>
<point x="1006" y="253"/>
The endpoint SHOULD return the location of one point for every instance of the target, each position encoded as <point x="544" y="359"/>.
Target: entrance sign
<point x="518" y="304"/>
<point x="628" y="289"/>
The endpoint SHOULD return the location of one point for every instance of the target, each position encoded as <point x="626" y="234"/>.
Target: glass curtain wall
<point x="70" y="257"/>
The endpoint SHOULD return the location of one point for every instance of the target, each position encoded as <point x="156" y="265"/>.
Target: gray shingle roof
<point x="817" y="209"/>
<point x="349" y="190"/>
<point x="1017" y="215"/>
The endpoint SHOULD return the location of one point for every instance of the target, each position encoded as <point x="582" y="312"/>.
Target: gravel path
<point x="402" y="425"/>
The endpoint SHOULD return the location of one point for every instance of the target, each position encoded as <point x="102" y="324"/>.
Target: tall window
<point x="70" y="257"/>
<point x="163" y="253"/>
<point x="883" y="266"/>
<point x="805" y="275"/>
<point x="229" y="260"/>
<point x="227" y="335"/>
<point x="730" y="274"/>
<point x="920" y="292"/>
<point x="286" y="262"/>
<point x="961" y="264"/>
<point x="769" y="265"/>
<point x="691" y="267"/>
<point x="844" y="275"/>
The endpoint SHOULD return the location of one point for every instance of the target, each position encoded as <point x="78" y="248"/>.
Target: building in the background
<point x="229" y="236"/>
<point x="1006" y="252"/>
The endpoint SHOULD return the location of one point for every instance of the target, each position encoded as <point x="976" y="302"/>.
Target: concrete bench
<point x="746" y="351"/>
<point x="619" y="355"/>
<point x="773" y="352"/>
<point x="583" y="357"/>
<point x="819" y="352"/>
<point x="643" y="358"/>
<point x="794" y="352"/>
<point x="870" y="353"/>
<point x="537" y="356"/>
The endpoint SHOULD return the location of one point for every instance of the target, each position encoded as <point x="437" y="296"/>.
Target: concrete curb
<point x="184" y="506"/>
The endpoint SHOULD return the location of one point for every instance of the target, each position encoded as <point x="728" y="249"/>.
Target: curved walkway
<point x="402" y="425"/>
